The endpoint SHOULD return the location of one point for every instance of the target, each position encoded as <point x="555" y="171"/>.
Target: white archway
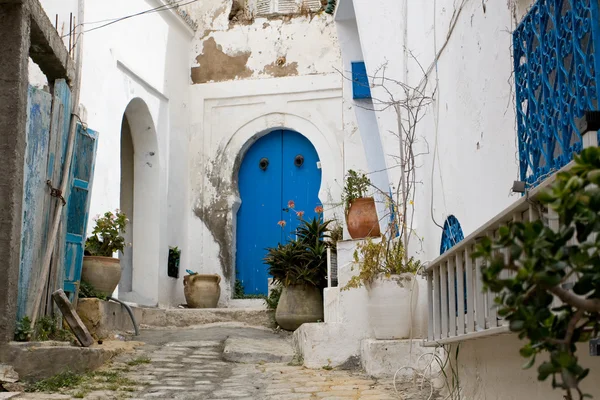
<point x="140" y="198"/>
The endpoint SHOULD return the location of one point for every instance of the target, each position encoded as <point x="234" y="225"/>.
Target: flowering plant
<point x="107" y="236"/>
<point x="302" y="261"/>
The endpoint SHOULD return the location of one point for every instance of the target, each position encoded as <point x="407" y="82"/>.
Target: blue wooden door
<point x="78" y="204"/>
<point x="280" y="167"/>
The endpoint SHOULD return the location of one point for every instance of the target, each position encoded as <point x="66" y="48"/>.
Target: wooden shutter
<point x="264" y="7"/>
<point x="287" y="6"/>
<point x="78" y="205"/>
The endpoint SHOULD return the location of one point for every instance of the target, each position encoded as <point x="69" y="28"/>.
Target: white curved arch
<point x="330" y="153"/>
<point x="140" y="273"/>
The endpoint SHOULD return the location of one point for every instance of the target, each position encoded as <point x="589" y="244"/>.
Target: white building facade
<point x="457" y="57"/>
<point x="179" y="92"/>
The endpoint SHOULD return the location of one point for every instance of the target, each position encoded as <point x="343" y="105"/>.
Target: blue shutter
<point x="78" y="205"/>
<point x="360" y="81"/>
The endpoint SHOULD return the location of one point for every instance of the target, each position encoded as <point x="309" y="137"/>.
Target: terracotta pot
<point x="103" y="273"/>
<point x="299" y="305"/>
<point x="202" y="291"/>
<point x="362" y="219"/>
<point x="392" y="306"/>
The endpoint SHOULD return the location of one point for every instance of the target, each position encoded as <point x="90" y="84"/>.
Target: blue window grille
<point x="451" y="235"/>
<point x="556" y="75"/>
<point x="360" y="81"/>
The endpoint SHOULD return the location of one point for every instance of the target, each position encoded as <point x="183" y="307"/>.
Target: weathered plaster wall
<point x="14" y="48"/>
<point x="228" y="118"/>
<point x="249" y="77"/>
<point x="247" y="47"/>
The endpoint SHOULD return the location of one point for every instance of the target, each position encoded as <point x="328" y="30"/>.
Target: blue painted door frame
<point x="280" y="167"/>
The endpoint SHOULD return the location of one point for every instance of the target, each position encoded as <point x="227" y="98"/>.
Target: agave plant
<point x="302" y="261"/>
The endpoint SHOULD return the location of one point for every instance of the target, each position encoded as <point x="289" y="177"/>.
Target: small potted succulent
<point x="361" y="214"/>
<point x="100" y="268"/>
<point x="389" y="277"/>
<point x="300" y="268"/>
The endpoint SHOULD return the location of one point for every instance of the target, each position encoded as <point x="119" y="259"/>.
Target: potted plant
<point x="201" y="290"/>
<point x="389" y="277"/>
<point x="361" y="214"/>
<point x="100" y="268"/>
<point x="300" y="267"/>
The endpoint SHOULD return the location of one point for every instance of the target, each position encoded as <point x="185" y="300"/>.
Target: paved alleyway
<point x="188" y="364"/>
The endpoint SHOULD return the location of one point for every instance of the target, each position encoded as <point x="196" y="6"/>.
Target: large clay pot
<point x="392" y="306"/>
<point x="202" y="291"/>
<point x="103" y="273"/>
<point x="362" y="219"/>
<point x="299" y="305"/>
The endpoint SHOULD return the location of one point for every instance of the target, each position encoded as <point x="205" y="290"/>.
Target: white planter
<point x="392" y="306"/>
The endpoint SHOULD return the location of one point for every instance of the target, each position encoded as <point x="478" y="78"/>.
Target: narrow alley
<point x="189" y="364"/>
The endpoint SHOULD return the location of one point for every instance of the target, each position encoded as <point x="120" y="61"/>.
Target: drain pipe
<point x="130" y="311"/>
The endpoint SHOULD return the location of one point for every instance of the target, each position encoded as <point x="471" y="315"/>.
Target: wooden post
<point x="68" y="311"/>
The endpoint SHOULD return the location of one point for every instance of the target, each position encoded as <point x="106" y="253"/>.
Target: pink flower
<point x="291" y="204"/>
<point x="319" y="209"/>
<point x="300" y="214"/>
<point x="281" y="223"/>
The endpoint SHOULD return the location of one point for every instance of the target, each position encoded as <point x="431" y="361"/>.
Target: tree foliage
<point x="541" y="262"/>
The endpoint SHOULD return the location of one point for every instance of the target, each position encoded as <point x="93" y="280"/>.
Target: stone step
<point x="255" y="351"/>
<point x="174" y="317"/>
<point x="103" y="318"/>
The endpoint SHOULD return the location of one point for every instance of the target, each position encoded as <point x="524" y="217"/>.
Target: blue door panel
<point x="301" y="183"/>
<point x="265" y="193"/>
<point x="257" y="229"/>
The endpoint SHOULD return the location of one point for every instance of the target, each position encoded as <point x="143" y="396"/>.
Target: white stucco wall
<point x="141" y="58"/>
<point x="491" y="369"/>
<point x="470" y="127"/>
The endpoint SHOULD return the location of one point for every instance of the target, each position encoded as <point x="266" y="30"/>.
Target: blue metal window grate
<point x="556" y="75"/>
<point x="451" y="235"/>
<point x="360" y="81"/>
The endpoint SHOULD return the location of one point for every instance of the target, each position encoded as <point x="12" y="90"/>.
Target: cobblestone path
<point x="181" y="368"/>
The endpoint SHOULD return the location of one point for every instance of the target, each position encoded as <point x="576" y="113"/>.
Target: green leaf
<point x="545" y="370"/>
<point x="516" y="326"/>
<point x="529" y="363"/>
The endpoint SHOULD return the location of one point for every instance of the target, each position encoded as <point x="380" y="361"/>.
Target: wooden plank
<point x="437" y="314"/>
<point x="444" y="299"/>
<point x="470" y="291"/>
<point x="460" y="276"/>
<point x="68" y="311"/>
<point x="451" y="298"/>
<point x="430" y="300"/>
<point x="479" y="295"/>
<point x="58" y="139"/>
<point x="33" y="239"/>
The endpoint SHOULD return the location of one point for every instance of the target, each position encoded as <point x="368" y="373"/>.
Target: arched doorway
<point x="139" y="200"/>
<point x="279" y="168"/>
